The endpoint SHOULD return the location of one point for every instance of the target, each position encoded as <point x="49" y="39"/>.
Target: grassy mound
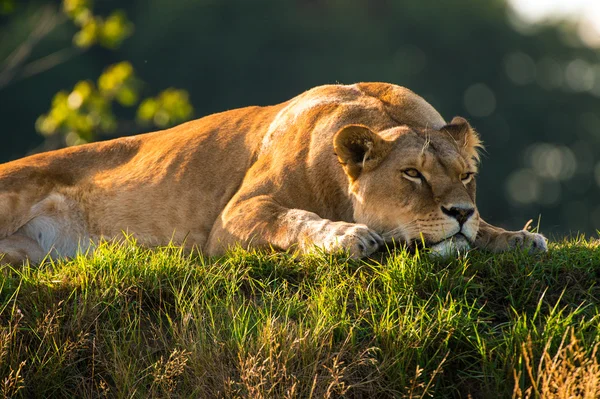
<point x="132" y="322"/>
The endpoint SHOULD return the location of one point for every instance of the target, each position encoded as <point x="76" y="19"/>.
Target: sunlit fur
<point x="325" y="170"/>
<point x="410" y="209"/>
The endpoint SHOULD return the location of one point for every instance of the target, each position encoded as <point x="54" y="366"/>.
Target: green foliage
<point x="108" y="32"/>
<point x="129" y="321"/>
<point x="86" y="112"/>
<point x="170" y="107"/>
<point x="7" y="6"/>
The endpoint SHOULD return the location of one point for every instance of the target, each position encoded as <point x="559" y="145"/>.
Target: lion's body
<point x="254" y="176"/>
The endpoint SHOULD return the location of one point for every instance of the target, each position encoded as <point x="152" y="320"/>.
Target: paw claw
<point x="357" y="239"/>
<point x="532" y="242"/>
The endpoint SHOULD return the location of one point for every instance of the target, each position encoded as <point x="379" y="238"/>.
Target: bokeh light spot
<point x="523" y="186"/>
<point x="480" y="100"/>
<point x="589" y="30"/>
<point x="520" y="68"/>
<point x="551" y="161"/>
<point x="75" y="100"/>
<point x="579" y="75"/>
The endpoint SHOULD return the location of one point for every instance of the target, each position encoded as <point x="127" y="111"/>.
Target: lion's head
<point x="414" y="185"/>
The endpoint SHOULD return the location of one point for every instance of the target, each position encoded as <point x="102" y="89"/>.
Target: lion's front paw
<point x="357" y="239"/>
<point x="523" y="239"/>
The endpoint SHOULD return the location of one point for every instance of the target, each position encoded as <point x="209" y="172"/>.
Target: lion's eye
<point x="466" y="176"/>
<point x="413" y="173"/>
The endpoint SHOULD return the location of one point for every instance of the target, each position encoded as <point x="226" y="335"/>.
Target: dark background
<point x="534" y="97"/>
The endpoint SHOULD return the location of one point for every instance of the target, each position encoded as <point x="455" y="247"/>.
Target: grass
<point x="132" y="322"/>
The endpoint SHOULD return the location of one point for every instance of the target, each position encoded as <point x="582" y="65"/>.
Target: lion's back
<point x="377" y="105"/>
<point x="182" y="178"/>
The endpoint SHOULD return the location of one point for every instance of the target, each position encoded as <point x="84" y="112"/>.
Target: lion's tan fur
<point x="258" y="176"/>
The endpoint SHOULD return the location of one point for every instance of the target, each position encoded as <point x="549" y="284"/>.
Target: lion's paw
<point x="357" y="239"/>
<point x="526" y="240"/>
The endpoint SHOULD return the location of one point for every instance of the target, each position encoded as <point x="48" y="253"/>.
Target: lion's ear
<point x="359" y="149"/>
<point x="465" y="136"/>
<point x="458" y="126"/>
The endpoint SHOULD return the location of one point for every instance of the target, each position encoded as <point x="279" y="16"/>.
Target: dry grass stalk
<point x="573" y="372"/>
<point x="264" y="372"/>
<point x="14" y="382"/>
<point x="273" y="367"/>
<point x="421" y="388"/>
<point x="166" y="373"/>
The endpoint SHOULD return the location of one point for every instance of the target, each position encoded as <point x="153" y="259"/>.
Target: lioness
<point x="337" y="167"/>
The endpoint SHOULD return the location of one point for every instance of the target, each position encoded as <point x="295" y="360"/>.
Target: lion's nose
<point x="458" y="213"/>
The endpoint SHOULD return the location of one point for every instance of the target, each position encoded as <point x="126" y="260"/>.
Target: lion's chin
<point x="457" y="244"/>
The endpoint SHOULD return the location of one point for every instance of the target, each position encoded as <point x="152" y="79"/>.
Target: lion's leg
<point x="261" y="222"/>
<point x="18" y="248"/>
<point x="496" y="239"/>
<point x="53" y="226"/>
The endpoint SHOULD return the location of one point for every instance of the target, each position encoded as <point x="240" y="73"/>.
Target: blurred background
<point x="525" y="73"/>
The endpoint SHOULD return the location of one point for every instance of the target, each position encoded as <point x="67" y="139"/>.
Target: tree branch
<point x="48" y="62"/>
<point x="46" y="23"/>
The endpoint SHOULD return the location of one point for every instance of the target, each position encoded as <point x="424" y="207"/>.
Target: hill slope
<point x="132" y="322"/>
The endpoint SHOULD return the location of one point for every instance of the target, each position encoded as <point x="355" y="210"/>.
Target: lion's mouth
<point x="457" y="244"/>
<point x="420" y="243"/>
<point x="458" y="237"/>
